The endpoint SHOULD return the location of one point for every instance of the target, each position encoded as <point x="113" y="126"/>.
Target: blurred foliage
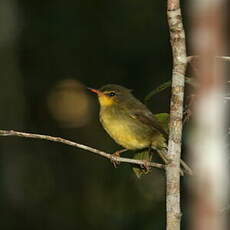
<point x="49" y="51"/>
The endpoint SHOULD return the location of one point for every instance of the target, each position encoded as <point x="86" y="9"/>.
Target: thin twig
<point x="80" y="146"/>
<point x="224" y="58"/>
<point x="166" y="85"/>
<point x="191" y="58"/>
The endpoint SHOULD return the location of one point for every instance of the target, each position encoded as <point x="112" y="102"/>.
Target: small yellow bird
<point x="129" y="122"/>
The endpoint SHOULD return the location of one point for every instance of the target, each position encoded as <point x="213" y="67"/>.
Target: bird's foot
<point x="146" y="166"/>
<point x="114" y="159"/>
<point x="115" y="156"/>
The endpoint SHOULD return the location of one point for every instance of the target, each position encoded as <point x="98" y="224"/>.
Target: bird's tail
<point x="142" y="155"/>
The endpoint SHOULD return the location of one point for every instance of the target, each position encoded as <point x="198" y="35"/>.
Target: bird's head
<point x="112" y="94"/>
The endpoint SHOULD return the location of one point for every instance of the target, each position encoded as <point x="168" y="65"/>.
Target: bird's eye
<point x="111" y="94"/>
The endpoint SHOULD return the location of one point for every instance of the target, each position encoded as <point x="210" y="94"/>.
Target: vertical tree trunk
<point x="210" y="183"/>
<point x="177" y="38"/>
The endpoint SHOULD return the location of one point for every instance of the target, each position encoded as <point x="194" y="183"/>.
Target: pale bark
<point x="109" y="156"/>
<point x="177" y="38"/>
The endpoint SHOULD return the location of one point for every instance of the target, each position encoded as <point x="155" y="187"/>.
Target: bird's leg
<point x="115" y="155"/>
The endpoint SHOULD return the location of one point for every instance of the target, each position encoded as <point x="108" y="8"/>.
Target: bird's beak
<point x="98" y="92"/>
<point x="104" y="100"/>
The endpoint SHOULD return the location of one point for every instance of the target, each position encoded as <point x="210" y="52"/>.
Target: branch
<point x="166" y="85"/>
<point x="80" y="146"/>
<point x="177" y="39"/>
<point x="224" y="58"/>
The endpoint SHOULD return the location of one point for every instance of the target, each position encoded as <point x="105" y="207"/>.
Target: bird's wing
<point x="148" y="119"/>
<point x="138" y="111"/>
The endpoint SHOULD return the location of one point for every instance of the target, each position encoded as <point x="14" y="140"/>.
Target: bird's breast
<point x="124" y="130"/>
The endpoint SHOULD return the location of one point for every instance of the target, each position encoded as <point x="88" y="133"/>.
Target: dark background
<point x="49" y="50"/>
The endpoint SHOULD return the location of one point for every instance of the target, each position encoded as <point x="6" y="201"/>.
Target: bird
<point x="129" y="122"/>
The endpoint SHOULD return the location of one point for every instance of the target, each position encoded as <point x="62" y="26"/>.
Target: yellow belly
<point x="123" y="133"/>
